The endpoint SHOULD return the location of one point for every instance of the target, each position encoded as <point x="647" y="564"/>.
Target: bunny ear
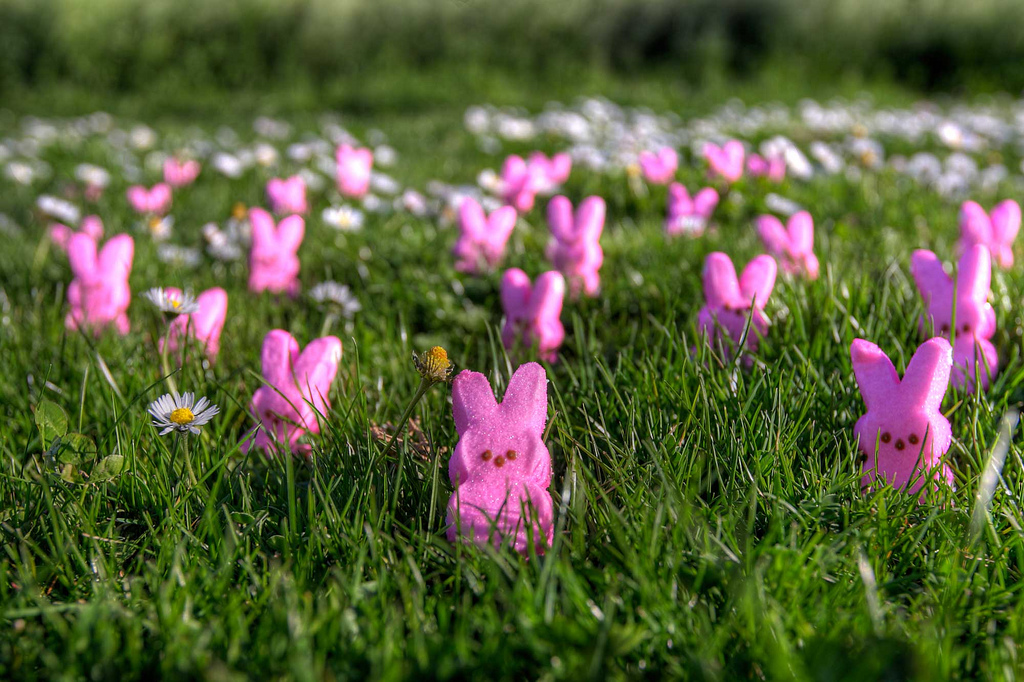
<point x="1005" y="221"/>
<point x="471" y="217"/>
<point x="974" y="274"/>
<point x="160" y="195"/>
<point x="930" y="277"/>
<point x="801" y="232"/>
<point x="501" y="223"/>
<point x="590" y="219"/>
<point x="720" y="284"/>
<point x="92" y="226"/>
<point x="515" y="291"/>
<point x="279" y="351"/>
<point x="758" y="280"/>
<point x="772" y="233"/>
<point x="513" y="168"/>
<point x="734" y="151"/>
<point x="876" y="376"/>
<point x="82" y="254"/>
<point x="927" y="375"/>
<point x="117" y="255"/>
<point x="262" y="225"/>
<point x="679" y="199"/>
<point x="290" y="232"/>
<point x="705" y="202"/>
<point x="561" y="167"/>
<point x="560" y="218"/>
<point x="472" y="400"/>
<point x="213" y="308"/>
<point x="974" y="223"/>
<point x="315" y="370"/>
<point x="526" y="398"/>
<point x="668" y="156"/>
<point x="548" y="296"/>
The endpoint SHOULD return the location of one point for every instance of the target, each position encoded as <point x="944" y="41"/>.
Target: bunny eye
<point x="886" y="437"/>
<point x="966" y="327"/>
<point x="499" y="461"/>
<point x="912" y="439"/>
<point x="945" y="328"/>
<point x="511" y="455"/>
<point x="485" y="455"/>
<point x="899" y="444"/>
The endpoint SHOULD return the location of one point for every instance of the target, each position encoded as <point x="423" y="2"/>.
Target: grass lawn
<point x="709" y="522"/>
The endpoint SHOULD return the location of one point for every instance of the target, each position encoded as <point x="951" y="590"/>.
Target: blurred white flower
<point x="60" y="209"/>
<point x="337" y="297"/>
<point x="344" y="218"/>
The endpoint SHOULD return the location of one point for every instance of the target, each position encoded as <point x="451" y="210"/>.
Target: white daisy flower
<point x="227" y="164"/>
<point x="338" y="296"/>
<point x="345" y="218"/>
<point x="172" y="302"/>
<point x="60" y="209"/>
<point x="91" y="175"/>
<point x="181" y="256"/>
<point x="181" y="413"/>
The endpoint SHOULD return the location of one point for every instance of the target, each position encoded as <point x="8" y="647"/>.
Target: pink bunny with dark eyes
<point x="532" y="313"/>
<point x="730" y="302"/>
<point x="793" y="244"/>
<point x="204" y="325"/>
<point x="287" y="195"/>
<point x="354" y="170"/>
<point x="501" y="468"/>
<point x="973" y="353"/>
<point x="689" y="216"/>
<point x="548" y="174"/>
<point x="575" y="249"/>
<point x="61" y="235"/>
<point x="180" y="173"/>
<point x="154" y="201"/>
<point x="482" y="238"/>
<point x="274" y="260"/>
<point x="99" y="294"/>
<point x="903" y="434"/>
<point x="725" y="161"/>
<point x="295" y="394"/>
<point x="996" y="230"/>
<point x="519" y="184"/>
<point x="659" y="167"/>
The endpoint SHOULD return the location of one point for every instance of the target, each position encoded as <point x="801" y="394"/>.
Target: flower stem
<point x="400" y="427"/>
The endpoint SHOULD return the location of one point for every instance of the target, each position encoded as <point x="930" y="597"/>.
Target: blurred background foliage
<point x="118" y="46"/>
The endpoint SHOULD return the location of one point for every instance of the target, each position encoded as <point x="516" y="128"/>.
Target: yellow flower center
<point x="238" y="211"/>
<point x="633" y="170"/>
<point x="154" y="224"/>
<point x="176" y="303"/>
<point x="182" y="416"/>
<point x="434" y="364"/>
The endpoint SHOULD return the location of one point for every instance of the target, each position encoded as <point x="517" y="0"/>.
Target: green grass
<point x="709" y="523"/>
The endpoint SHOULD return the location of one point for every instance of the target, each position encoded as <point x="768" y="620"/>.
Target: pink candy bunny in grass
<point x="354" y="167"/>
<point x="731" y="302"/>
<point x="274" y="260"/>
<point x="482" y="238"/>
<point x="726" y="161"/>
<point x="204" y="325"/>
<point x="533" y="313"/>
<point x="287" y="195"/>
<point x="973" y="353"/>
<point x="155" y="201"/>
<point x="99" y="294"/>
<point x="180" y="173"/>
<point x="501" y="468"/>
<point x="548" y="174"/>
<point x="773" y="167"/>
<point x="575" y="249"/>
<point x="61" y="235"/>
<point x="996" y="230"/>
<point x="903" y="435"/>
<point x="793" y="244"/>
<point x="519" y="186"/>
<point x="689" y="216"/>
<point x="296" y="390"/>
<point x="659" y="167"/>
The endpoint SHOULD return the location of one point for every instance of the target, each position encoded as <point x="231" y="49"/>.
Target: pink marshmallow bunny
<point x="287" y="195"/>
<point x="155" y="201"/>
<point x="659" y="167"/>
<point x="61" y="235"/>
<point x="575" y="249"/>
<point x="773" y="168"/>
<point x="204" y="325"/>
<point x="482" y="238"/>
<point x="296" y="390"/>
<point x="903" y="434"/>
<point x="99" y="294"/>
<point x="689" y="216"/>
<point x="996" y="230"/>
<point x="973" y="353"/>
<point x="501" y="468"/>
<point x="354" y="166"/>
<point x="180" y="173"/>
<point x="725" y="161"/>
<point x="532" y="314"/>
<point x="793" y="244"/>
<point x="547" y="174"/>
<point x="274" y="260"/>
<point x="729" y="302"/>
<point x="519" y="186"/>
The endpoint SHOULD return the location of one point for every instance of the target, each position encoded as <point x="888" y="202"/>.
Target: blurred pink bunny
<point x="973" y="353"/>
<point x="773" y="168"/>
<point x="903" y="435"/>
<point x="287" y="195"/>
<point x="61" y="234"/>
<point x="996" y="230"/>
<point x="729" y="302"/>
<point x="482" y="238"/>
<point x="548" y="174"/>
<point x="354" y="165"/>
<point x="204" y="325"/>
<point x="532" y="314"/>
<point x="501" y="468"/>
<point x="155" y="201"/>
<point x="725" y="161"/>
<point x="575" y="249"/>
<point x="180" y="173"/>
<point x="519" y="186"/>
<point x="99" y="294"/>
<point x="689" y="216"/>
<point x="274" y="260"/>
<point x="793" y="244"/>
<point x="659" y="167"/>
<point x="295" y="392"/>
